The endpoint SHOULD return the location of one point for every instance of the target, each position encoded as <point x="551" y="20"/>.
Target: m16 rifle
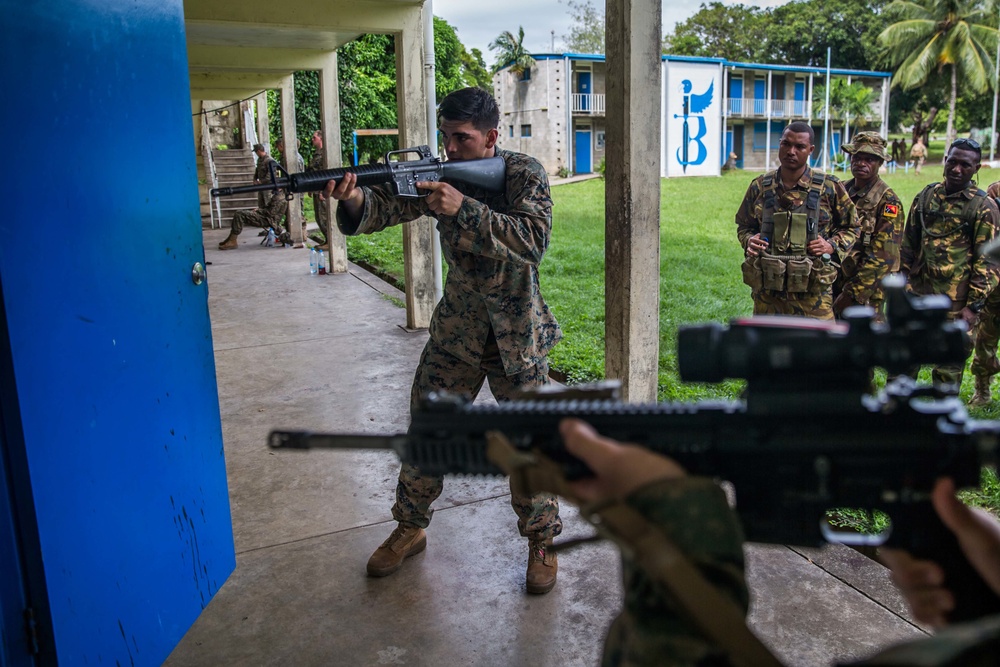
<point x="489" y="174"/>
<point x="806" y="438"/>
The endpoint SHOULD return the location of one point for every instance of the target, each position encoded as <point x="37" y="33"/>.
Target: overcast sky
<point x="478" y="24"/>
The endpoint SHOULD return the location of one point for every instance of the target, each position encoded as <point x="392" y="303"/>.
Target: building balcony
<point x="588" y="103"/>
<point x="791" y="109"/>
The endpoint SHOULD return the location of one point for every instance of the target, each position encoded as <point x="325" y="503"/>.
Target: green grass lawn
<point x="700" y="277"/>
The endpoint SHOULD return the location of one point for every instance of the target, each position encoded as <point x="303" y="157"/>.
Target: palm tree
<point x="934" y="34"/>
<point x="512" y="52"/>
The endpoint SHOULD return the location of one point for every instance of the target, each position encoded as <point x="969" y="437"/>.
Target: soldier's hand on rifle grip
<point x="819" y="247"/>
<point x="441" y="197"/>
<point x="756" y="245"/>
<point x="922" y="582"/>
<point x="619" y="469"/>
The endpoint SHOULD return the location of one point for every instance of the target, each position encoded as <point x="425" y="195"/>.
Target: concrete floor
<point x="330" y="353"/>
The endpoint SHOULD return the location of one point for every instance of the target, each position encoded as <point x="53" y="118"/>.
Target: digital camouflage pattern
<point x="493" y="248"/>
<point x="694" y="514"/>
<point x="270" y="215"/>
<point x="318" y="163"/>
<point x="538" y="515"/>
<point x="837" y="224"/>
<point x="262" y="174"/>
<point x="492" y="321"/>
<point x="940" y="255"/>
<point x="875" y="253"/>
<point x="987" y="331"/>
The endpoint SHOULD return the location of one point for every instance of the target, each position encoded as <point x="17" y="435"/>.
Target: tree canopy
<point x="587" y="32"/>
<point x="510" y="51"/>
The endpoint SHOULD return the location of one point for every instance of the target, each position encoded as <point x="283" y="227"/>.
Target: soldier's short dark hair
<point x="800" y="127"/>
<point x="472" y="105"/>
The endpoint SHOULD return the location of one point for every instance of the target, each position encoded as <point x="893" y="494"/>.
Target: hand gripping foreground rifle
<point x="807" y="438"/>
<point x="488" y="174"/>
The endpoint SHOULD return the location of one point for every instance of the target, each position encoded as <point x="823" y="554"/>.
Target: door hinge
<point x="31" y="628"/>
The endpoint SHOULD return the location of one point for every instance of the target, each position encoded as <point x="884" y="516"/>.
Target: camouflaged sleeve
<point x="985" y="275"/>
<point x="382" y="209"/>
<point x="843" y="227"/>
<point x="520" y="232"/>
<point x="909" y="247"/>
<point x="749" y="214"/>
<point x="650" y="630"/>
<point x="882" y="256"/>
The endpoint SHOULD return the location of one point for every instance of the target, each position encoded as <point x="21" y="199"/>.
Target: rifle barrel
<point x="242" y="189"/>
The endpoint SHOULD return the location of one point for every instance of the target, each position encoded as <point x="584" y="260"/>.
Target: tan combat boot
<point x="404" y="542"/>
<point x="981" y="396"/>
<point x="231" y="243"/>
<point x="542" y="567"/>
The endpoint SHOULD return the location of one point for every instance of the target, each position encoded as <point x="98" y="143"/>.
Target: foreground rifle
<point x="806" y="439"/>
<point x="487" y="174"/>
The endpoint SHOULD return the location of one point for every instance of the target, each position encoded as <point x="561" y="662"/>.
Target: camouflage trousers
<point x="538" y="515"/>
<point x="816" y="306"/>
<point x="254" y="218"/>
<point x="322" y="216"/>
<point x="987" y="336"/>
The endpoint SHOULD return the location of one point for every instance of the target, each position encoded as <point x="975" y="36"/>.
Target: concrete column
<point x="411" y="101"/>
<point x="329" y="109"/>
<point x="632" y="186"/>
<point x="294" y="216"/>
<point x="263" y="127"/>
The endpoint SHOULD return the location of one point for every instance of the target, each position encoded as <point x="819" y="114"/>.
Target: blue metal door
<point x="583" y="87"/>
<point x="760" y="97"/>
<point x="736" y="96"/>
<point x="800" y="99"/>
<point x="729" y="146"/>
<point x="581" y="147"/>
<point x="109" y="408"/>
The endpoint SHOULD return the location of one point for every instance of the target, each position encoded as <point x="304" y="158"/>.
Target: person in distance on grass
<point x="492" y="322"/>
<point x="795" y="225"/>
<point x="875" y="253"/>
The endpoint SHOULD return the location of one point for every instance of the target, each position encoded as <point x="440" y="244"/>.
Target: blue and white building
<point x="711" y="107"/>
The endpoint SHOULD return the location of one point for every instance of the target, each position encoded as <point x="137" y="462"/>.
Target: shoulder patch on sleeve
<point x="890" y="211"/>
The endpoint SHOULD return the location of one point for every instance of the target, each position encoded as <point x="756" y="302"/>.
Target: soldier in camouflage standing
<point x="794" y="224"/>
<point x="492" y="322"/>
<point x="880" y="214"/>
<point x="318" y="163"/>
<point x="986" y="336"/>
<point x="948" y="225"/>
<point x="262" y="173"/>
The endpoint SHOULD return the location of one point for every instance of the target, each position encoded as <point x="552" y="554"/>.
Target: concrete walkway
<point x="330" y="353"/>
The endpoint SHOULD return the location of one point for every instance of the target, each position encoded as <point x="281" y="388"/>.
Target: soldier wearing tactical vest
<point x="880" y="214"/>
<point x="796" y="225"/>
<point x="948" y="225"/>
<point x="985" y="363"/>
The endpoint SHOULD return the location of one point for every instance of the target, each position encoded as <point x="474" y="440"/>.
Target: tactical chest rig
<point x="868" y="210"/>
<point x="785" y="266"/>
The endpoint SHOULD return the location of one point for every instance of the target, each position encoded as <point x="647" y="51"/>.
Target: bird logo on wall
<point x="694" y="106"/>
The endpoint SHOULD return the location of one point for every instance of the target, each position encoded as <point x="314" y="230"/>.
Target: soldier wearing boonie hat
<point x="880" y="212"/>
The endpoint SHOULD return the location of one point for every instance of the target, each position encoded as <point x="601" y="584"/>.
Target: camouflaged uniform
<point x="269" y="215"/>
<point x="987" y="330"/>
<point x="837" y="224"/>
<point x="875" y="254"/>
<point x="491" y="322"/>
<point x="262" y="174"/>
<point x="940" y="253"/>
<point x="695" y="516"/>
<point x="318" y="163"/>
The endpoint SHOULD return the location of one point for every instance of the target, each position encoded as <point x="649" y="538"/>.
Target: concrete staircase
<point x="234" y="167"/>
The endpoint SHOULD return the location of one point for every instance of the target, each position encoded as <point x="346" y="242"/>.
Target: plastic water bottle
<point x="321" y="263"/>
<point x="270" y="238"/>
<point x="313" y="261"/>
